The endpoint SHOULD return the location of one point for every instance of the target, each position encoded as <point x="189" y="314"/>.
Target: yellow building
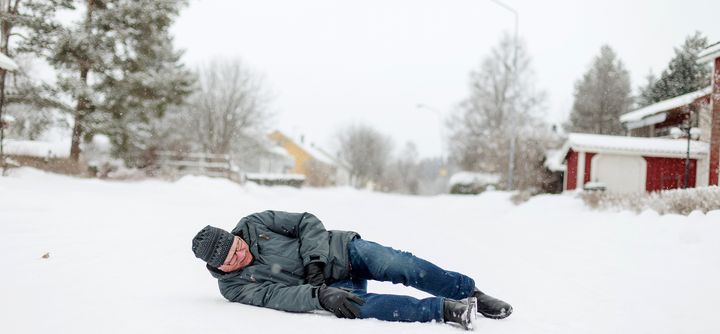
<point x="319" y="168"/>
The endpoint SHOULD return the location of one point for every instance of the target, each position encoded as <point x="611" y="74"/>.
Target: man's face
<point x="238" y="257"/>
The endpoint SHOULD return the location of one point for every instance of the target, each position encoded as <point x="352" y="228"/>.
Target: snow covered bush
<point x="522" y="196"/>
<point x="471" y="183"/>
<point x="679" y="201"/>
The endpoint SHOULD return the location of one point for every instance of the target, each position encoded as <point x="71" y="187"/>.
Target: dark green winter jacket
<point x="282" y="244"/>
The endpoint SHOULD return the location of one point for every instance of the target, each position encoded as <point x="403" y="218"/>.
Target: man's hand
<point x="314" y="274"/>
<point x="342" y="303"/>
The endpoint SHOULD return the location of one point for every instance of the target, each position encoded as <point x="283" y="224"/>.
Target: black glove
<point x="314" y="274"/>
<point x="344" y="304"/>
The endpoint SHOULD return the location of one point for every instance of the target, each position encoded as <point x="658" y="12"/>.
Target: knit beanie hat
<point x="212" y="245"/>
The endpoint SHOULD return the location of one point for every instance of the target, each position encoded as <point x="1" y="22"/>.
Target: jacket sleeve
<point x="314" y="239"/>
<point x="297" y="298"/>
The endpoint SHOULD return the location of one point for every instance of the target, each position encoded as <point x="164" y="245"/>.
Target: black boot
<point x="491" y="307"/>
<point x="461" y="312"/>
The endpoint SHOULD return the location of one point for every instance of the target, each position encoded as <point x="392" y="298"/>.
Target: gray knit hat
<point x="212" y="245"/>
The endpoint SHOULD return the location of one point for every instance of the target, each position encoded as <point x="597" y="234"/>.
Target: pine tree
<point x="601" y="96"/>
<point x="683" y="74"/>
<point x="34" y="18"/>
<point x="645" y="96"/>
<point x="119" y="67"/>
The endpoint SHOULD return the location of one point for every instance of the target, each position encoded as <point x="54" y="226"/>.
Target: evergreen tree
<point x="119" y="67"/>
<point x="601" y="96"/>
<point x="645" y="97"/>
<point x="31" y="21"/>
<point x="683" y="74"/>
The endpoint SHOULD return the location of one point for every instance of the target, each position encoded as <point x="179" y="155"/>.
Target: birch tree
<point x="229" y="108"/>
<point x="503" y="105"/>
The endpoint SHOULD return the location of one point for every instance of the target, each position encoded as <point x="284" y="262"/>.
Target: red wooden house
<point x="648" y="159"/>
<point x="631" y="164"/>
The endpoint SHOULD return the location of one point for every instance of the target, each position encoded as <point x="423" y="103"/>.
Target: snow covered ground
<point x="120" y="258"/>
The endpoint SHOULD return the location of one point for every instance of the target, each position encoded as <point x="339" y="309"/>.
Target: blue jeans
<point x="373" y="261"/>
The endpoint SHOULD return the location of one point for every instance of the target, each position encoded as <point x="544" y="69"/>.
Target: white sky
<point x="330" y="63"/>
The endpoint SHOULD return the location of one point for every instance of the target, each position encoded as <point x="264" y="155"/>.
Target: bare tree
<point x="503" y="105"/>
<point x="403" y="174"/>
<point x="366" y="150"/>
<point x="228" y="108"/>
<point x="319" y="174"/>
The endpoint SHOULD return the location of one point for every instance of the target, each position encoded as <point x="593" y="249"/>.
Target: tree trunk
<point x="5" y="28"/>
<point x="2" y="124"/>
<point x="80" y="110"/>
<point x="83" y="104"/>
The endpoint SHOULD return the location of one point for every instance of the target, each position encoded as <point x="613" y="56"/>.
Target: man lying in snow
<point x="288" y="261"/>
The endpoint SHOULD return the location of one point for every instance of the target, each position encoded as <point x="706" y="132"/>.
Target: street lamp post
<point x="511" y="163"/>
<point x="690" y="133"/>
<point x="687" y="159"/>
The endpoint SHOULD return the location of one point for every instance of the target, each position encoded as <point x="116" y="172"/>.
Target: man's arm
<point x="298" y="298"/>
<point x="314" y="244"/>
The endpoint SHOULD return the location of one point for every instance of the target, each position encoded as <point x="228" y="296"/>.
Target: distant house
<point x="649" y="159"/>
<point x="712" y="55"/>
<point x="319" y="167"/>
<point x="657" y="119"/>
<point x="271" y="159"/>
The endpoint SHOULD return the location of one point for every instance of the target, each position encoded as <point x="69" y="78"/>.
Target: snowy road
<point x="120" y="258"/>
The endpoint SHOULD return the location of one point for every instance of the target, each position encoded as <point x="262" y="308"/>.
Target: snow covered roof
<point x="38" y="149"/>
<point x="474" y="178"/>
<point x="317" y="153"/>
<point x="7" y="64"/>
<point x="554" y="160"/>
<point x="709" y="54"/>
<point x="321" y="155"/>
<point x="314" y="150"/>
<point x="654" y="147"/>
<point x="669" y="104"/>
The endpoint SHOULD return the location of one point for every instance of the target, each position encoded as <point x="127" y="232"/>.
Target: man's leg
<point x="394" y="307"/>
<point x="370" y="260"/>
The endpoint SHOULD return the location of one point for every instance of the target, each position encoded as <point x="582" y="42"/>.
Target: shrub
<point x="680" y="201"/>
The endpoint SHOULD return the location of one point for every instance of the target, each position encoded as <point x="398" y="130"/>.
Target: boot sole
<point x="503" y="315"/>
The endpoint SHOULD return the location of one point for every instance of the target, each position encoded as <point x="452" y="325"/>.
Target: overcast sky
<point x="330" y="63"/>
